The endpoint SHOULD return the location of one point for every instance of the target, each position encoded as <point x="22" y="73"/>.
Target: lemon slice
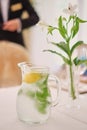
<point x="32" y="77"/>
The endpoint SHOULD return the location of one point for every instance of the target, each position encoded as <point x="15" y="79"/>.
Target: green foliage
<point x="76" y="45"/>
<point x="75" y="27"/>
<point x="81" y="20"/>
<point x="51" y="29"/>
<point x="63" y="46"/>
<point x="79" y="62"/>
<point x="68" y="29"/>
<point x="66" y="60"/>
<point x="42" y="96"/>
<point x="62" y="28"/>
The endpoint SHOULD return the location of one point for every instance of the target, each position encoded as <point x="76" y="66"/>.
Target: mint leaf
<point x="31" y="94"/>
<point x="42" y="95"/>
<point x="41" y="106"/>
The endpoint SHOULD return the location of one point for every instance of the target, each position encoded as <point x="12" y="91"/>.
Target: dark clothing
<point x="12" y="36"/>
<point x="16" y="9"/>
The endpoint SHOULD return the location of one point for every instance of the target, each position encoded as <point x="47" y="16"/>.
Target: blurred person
<point x="11" y="21"/>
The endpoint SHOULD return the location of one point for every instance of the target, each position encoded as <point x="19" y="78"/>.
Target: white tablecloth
<point x="60" y="119"/>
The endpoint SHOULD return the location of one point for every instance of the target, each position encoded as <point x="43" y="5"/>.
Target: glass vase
<point x="72" y="86"/>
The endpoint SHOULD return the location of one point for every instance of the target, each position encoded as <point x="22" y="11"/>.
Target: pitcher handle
<point x="54" y="89"/>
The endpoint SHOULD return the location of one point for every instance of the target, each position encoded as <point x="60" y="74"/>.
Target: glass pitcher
<point x="35" y="97"/>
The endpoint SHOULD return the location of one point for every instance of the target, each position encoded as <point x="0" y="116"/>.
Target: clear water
<point x="31" y="106"/>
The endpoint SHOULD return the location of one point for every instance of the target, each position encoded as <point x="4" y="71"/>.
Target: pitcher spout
<point x="23" y="64"/>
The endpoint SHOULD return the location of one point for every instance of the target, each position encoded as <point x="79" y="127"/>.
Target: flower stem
<point x="72" y="89"/>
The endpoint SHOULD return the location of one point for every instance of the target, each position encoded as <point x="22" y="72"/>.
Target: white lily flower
<point x="42" y="24"/>
<point x="71" y="9"/>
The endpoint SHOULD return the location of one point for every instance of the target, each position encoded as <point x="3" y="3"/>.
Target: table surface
<point x="61" y="118"/>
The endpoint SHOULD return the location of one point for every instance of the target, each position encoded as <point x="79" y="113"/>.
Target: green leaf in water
<point x="31" y="94"/>
<point x="42" y="96"/>
<point x="41" y="106"/>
